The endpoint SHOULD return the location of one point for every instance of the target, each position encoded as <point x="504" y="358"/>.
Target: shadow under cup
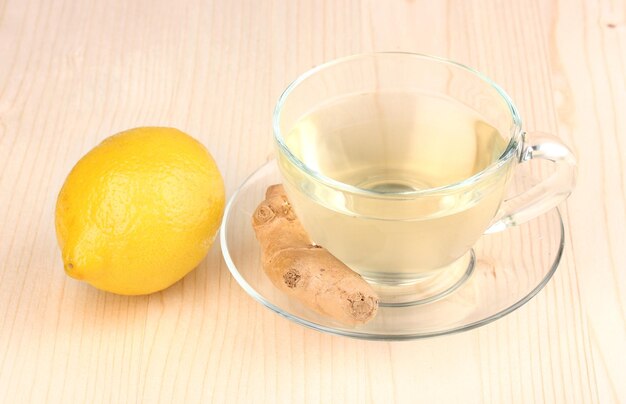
<point x="397" y="164"/>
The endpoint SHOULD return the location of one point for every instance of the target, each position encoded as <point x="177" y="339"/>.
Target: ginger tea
<point x="394" y="144"/>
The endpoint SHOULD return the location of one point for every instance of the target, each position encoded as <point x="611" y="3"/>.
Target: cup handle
<point x="548" y="193"/>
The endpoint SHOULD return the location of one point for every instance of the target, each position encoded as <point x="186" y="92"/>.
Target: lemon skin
<point x="139" y="211"/>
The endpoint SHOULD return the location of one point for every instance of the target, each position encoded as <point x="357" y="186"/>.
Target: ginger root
<point x="306" y="271"/>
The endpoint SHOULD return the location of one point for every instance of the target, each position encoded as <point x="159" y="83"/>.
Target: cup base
<point x="427" y="289"/>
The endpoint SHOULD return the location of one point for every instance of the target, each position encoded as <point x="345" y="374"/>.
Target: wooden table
<point x="73" y="72"/>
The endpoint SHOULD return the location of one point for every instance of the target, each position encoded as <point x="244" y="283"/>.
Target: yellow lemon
<point x="139" y="211"/>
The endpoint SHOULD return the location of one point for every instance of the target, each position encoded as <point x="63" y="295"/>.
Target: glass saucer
<point x="510" y="268"/>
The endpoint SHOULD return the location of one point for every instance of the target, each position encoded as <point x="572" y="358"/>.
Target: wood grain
<point x="75" y="71"/>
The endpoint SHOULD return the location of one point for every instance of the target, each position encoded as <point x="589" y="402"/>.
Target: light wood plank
<point x="76" y="71"/>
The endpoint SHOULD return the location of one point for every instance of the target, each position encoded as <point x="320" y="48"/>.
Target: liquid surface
<point x="395" y="142"/>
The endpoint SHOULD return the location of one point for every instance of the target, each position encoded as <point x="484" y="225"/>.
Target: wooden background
<point x="75" y="71"/>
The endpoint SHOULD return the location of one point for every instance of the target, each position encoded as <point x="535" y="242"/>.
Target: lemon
<point x="139" y="211"/>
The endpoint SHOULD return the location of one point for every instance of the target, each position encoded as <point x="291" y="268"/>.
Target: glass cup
<point x="398" y="163"/>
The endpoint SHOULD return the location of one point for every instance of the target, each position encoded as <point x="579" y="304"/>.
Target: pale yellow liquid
<point x="394" y="143"/>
